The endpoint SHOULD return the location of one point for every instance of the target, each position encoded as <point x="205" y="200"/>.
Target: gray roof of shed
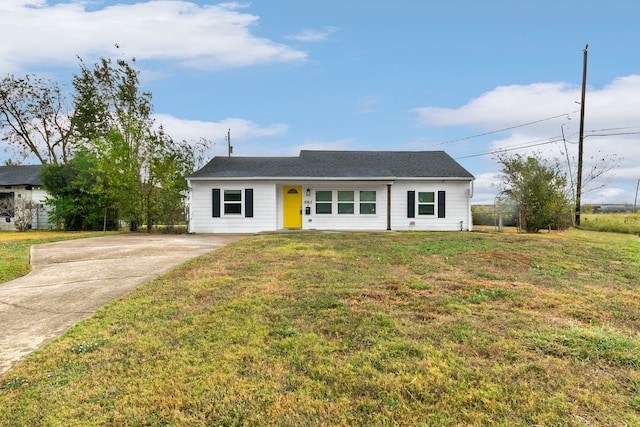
<point x="337" y="164"/>
<point x="20" y="175"/>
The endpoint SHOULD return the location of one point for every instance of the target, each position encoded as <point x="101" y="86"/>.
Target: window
<point x="426" y="203"/>
<point x="367" y="202"/>
<point x="323" y="202"/>
<point x="345" y="202"/>
<point x="232" y="202"/>
<point x="6" y="204"/>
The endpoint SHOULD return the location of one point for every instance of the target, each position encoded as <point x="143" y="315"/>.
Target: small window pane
<point x="426" y="197"/>
<point x="425" y="209"/>
<point x="345" y="196"/>
<point x="323" y="196"/>
<point x="345" y="208"/>
<point x="323" y="208"/>
<point x="367" y="208"/>
<point x="232" y="195"/>
<point x="367" y="196"/>
<point x="232" y="208"/>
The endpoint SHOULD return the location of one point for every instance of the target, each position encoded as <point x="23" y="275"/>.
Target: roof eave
<point x="330" y="178"/>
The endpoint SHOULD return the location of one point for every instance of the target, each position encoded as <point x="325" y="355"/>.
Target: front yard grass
<point x="357" y="329"/>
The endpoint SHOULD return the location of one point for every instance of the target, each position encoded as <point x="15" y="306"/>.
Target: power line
<point x="540" y="142"/>
<point x="515" y="147"/>
<point x="500" y="130"/>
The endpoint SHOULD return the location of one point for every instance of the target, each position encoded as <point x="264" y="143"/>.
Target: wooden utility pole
<point x="229" y="142"/>
<point x="581" y="137"/>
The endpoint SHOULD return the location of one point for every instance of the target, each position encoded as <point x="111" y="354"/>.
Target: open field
<point x="357" y="329"/>
<point x="612" y="222"/>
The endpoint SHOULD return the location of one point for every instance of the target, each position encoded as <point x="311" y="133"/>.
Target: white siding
<point x="268" y="206"/>
<point x="37" y="195"/>
<point x="40" y="217"/>
<point x="457" y="206"/>
<point x="201" y="218"/>
<point x="355" y="221"/>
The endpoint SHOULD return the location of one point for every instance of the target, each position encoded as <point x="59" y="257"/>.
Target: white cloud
<point x="529" y="117"/>
<point x="367" y="105"/>
<point x="310" y="35"/>
<point x="242" y="132"/>
<point x="484" y="190"/>
<point x="207" y="36"/>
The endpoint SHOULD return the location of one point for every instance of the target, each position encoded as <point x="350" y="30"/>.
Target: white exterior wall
<point x="201" y="218"/>
<point x="355" y="221"/>
<point x="40" y="216"/>
<point x="35" y="194"/>
<point x="268" y="206"/>
<point x="457" y="206"/>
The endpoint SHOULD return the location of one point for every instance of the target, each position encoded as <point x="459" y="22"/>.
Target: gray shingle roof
<point x="338" y="164"/>
<point x="20" y="175"/>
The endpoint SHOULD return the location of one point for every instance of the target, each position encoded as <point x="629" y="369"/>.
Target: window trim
<point x="236" y="204"/>
<point x="420" y="209"/>
<point x="346" y="203"/>
<point x="219" y="204"/>
<point x="324" y="203"/>
<point x="426" y="204"/>
<point x="343" y="198"/>
<point x="373" y="202"/>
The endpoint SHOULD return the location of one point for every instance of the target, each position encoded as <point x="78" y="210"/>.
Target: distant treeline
<point x="489" y="215"/>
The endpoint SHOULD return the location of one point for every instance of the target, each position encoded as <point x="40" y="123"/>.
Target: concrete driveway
<point x="70" y="280"/>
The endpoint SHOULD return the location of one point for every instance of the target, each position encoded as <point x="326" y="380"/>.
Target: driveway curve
<point x="70" y="280"/>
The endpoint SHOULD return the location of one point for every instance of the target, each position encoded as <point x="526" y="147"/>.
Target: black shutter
<point x="248" y="202"/>
<point x="216" y="203"/>
<point x="411" y="204"/>
<point x="441" y="204"/>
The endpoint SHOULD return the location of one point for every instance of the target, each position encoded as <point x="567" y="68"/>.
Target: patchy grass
<point x="357" y="329"/>
<point x="14" y="249"/>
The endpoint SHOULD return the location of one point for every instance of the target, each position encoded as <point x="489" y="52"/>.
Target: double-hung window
<point x="367" y="202"/>
<point x="345" y="202"/>
<point x="232" y="202"/>
<point x="323" y="202"/>
<point x="426" y="203"/>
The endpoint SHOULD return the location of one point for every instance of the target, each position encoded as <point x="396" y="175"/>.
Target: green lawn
<point x="362" y="329"/>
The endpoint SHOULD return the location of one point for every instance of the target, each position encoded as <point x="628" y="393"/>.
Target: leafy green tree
<point x="146" y="168"/>
<point x="35" y="119"/>
<point x="77" y="193"/>
<point x="539" y="188"/>
<point x="104" y="156"/>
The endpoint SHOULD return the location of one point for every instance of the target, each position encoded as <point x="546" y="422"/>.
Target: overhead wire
<point x="514" y="147"/>
<point x="567" y="115"/>
<point x="538" y="143"/>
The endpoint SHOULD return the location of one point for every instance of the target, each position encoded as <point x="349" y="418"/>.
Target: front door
<point x="292" y="206"/>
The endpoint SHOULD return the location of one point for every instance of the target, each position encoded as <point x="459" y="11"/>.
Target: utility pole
<point x="230" y="148"/>
<point x="581" y="137"/>
<point x="635" y="202"/>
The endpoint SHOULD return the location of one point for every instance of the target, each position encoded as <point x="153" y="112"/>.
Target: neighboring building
<point x="331" y="190"/>
<point x="22" y="183"/>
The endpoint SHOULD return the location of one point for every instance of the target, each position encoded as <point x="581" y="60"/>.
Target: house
<point x="18" y="186"/>
<point x="331" y="190"/>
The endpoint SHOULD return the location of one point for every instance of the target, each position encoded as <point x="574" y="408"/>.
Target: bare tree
<point x="33" y="112"/>
<point x="24" y="211"/>
<point x="21" y="209"/>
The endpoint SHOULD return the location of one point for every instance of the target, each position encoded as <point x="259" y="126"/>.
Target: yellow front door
<point x="292" y="205"/>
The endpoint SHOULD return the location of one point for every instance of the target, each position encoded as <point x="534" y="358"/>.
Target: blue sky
<point x="286" y="75"/>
